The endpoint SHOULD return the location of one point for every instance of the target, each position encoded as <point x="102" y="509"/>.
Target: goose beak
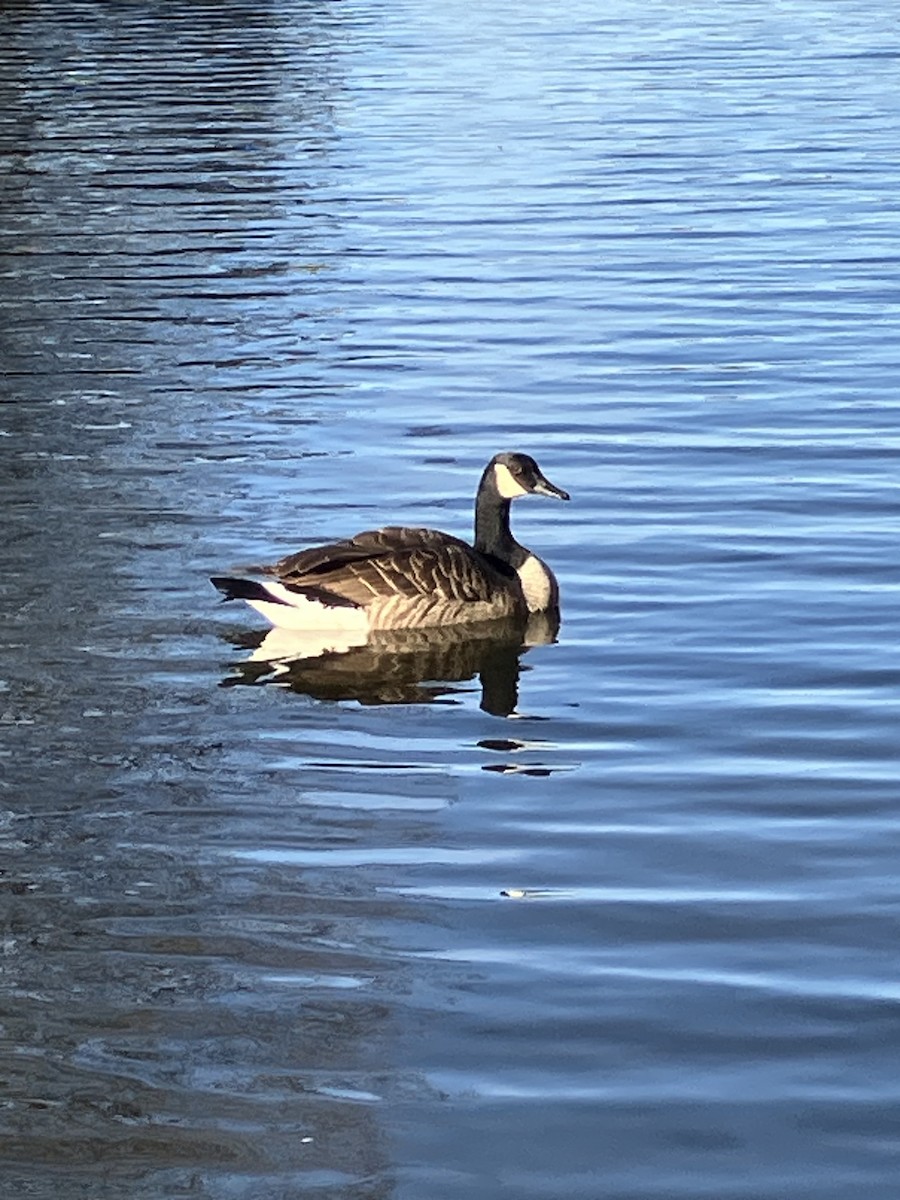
<point x="544" y="487"/>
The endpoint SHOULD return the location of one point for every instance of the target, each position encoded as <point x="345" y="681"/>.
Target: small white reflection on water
<point x="299" y="979"/>
<point x="373" y="855"/>
<point x="613" y="895"/>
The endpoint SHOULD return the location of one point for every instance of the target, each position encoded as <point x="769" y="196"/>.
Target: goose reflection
<point x="409" y="666"/>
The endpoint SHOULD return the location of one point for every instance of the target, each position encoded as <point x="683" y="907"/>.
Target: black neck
<point x="492" y="532"/>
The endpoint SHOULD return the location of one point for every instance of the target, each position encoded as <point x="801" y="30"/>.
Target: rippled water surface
<point x="614" y="916"/>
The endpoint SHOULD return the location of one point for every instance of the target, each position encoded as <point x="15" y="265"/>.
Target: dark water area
<point x="607" y="916"/>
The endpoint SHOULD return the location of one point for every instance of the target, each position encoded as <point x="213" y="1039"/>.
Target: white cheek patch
<point x="506" y="485"/>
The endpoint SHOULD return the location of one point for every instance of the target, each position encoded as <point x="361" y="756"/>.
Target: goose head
<point x="513" y="475"/>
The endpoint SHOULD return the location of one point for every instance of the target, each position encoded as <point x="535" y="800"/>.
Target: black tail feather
<point x="233" y="588"/>
<point x="243" y="589"/>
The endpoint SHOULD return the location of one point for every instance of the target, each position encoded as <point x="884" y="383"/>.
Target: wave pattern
<point x="614" y="915"/>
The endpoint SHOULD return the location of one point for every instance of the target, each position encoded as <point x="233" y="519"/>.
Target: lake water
<point x="278" y="272"/>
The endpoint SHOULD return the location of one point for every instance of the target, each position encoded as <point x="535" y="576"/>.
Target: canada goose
<point x="402" y="578"/>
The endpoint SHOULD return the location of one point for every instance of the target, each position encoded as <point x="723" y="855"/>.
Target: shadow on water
<point x="409" y="666"/>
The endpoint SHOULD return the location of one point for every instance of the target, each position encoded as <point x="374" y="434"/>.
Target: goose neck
<point x="492" y="533"/>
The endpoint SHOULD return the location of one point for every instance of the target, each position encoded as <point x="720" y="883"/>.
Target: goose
<point x="404" y="578"/>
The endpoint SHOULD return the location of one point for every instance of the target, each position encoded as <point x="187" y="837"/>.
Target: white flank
<point x="299" y="612"/>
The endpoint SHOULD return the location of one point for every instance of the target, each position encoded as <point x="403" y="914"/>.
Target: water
<point x="279" y="272"/>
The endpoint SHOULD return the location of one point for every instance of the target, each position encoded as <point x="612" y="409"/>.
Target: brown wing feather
<point x="396" y="561"/>
<point x="368" y="544"/>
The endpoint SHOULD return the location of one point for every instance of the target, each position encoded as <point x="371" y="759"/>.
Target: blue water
<point x="276" y="273"/>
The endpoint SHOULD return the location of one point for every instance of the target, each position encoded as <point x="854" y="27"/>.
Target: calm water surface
<point x="278" y="272"/>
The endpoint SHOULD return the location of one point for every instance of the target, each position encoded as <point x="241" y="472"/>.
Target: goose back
<point x="406" y="577"/>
